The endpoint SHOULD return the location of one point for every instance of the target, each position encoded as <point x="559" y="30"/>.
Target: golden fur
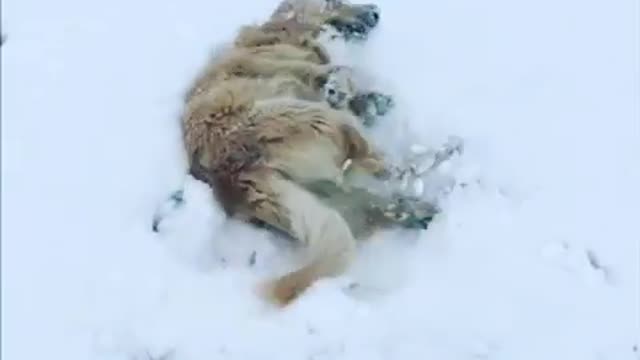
<point x="256" y="131"/>
<point x="284" y="45"/>
<point x="261" y="154"/>
<point x="282" y="60"/>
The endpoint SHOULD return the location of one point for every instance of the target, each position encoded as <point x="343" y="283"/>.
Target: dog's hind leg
<point x="367" y="211"/>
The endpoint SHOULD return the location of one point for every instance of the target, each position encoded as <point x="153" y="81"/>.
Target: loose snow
<point x="537" y="257"/>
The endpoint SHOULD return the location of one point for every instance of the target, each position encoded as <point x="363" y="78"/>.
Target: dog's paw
<point x="338" y="87"/>
<point x="350" y="29"/>
<point x="368" y="106"/>
<point x="422" y="159"/>
<point x="411" y="213"/>
<point x="380" y="104"/>
<point x="369" y="14"/>
<point x="175" y="201"/>
<point x="404" y="180"/>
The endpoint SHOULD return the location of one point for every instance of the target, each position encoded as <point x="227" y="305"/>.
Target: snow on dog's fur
<point x="255" y="131"/>
<point x="286" y="46"/>
<point x="258" y="156"/>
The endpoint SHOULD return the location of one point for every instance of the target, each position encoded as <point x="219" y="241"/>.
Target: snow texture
<point x="536" y="257"/>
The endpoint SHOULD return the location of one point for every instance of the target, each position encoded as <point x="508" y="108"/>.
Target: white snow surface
<point x="545" y="94"/>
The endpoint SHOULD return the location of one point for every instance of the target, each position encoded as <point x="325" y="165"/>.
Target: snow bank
<point x="536" y="258"/>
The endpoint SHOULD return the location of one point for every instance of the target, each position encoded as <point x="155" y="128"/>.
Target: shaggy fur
<point x="261" y="155"/>
<point x="286" y="45"/>
<point x="285" y="65"/>
<point x="255" y="129"/>
<point x="263" y="62"/>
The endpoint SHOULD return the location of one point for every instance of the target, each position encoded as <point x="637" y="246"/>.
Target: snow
<point x="537" y="258"/>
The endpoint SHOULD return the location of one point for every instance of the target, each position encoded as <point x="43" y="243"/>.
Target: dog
<point x="273" y="129"/>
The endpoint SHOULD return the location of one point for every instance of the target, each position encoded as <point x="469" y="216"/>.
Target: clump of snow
<point x="537" y="257"/>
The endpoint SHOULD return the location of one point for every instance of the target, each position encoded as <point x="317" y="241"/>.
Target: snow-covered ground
<point x="537" y="258"/>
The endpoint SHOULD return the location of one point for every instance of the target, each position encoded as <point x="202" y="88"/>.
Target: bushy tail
<point x="327" y="241"/>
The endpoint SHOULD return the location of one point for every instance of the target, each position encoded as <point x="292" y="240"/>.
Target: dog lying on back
<point x="263" y="127"/>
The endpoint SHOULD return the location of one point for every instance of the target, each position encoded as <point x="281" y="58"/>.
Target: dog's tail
<point x="326" y="239"/>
